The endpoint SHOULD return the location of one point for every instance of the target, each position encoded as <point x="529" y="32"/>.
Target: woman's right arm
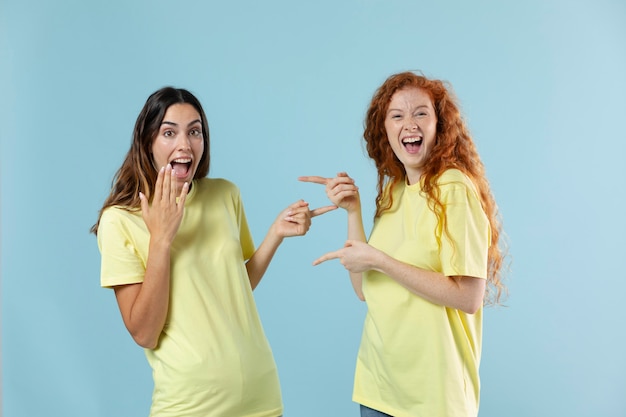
<point x="343" y="192"/>
<point x="144" y="306"/>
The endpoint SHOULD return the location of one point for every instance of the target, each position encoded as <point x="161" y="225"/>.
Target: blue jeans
<point x="368" y="412"/>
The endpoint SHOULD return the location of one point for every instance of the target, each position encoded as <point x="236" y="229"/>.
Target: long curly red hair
<point x="453" y="148"/>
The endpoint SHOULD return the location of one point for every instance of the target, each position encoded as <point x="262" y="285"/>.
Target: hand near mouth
<point x="164" y="214"/>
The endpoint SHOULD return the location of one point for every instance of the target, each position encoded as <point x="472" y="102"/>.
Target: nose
<point x="183" y="143"/>
<point x="410" y="124"/>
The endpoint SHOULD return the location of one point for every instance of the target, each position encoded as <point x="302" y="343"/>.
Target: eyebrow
<point x="418" y="107"/>
<point x="165" y="122"/>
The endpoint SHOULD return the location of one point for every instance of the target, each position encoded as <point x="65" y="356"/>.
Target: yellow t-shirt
<point x="213" y="358"/>
<point x="417" y="358"/>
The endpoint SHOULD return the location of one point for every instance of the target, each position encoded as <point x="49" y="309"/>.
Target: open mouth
<point x="412" y="145"/>
<point x="181" y="166"/>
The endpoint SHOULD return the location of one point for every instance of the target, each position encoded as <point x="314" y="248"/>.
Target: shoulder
<point x="451" y="176"/>
<point x="454" y="179"/>
<point x="117" y="214"/>
<point x="119" y="225"/>
<point x="118" y="217"/>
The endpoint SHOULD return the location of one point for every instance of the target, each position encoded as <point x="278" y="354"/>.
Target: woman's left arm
<point x="295" y="220"/>
<point x="461" y="292"/>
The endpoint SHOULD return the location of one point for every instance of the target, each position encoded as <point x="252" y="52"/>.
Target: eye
<point x="195" y="132"/>
<point x="168" y="133"/>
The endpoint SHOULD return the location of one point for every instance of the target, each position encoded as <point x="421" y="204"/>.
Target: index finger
<point x="327" y="257"/>
<point x="321" y="210"/>
<point x="314" y="178"/>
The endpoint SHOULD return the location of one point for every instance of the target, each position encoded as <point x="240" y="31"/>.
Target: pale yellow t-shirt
<point x="213" y="358"/>
<point x="417" y="358"/>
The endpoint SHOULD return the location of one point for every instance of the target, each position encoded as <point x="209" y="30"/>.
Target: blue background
<point x="285" y="85"/>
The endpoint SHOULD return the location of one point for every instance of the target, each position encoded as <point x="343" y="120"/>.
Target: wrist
<point x="274" y="235"/>
<point x="160" y="244"/>
<point x="354" y="215"/>
<point x="378" y="261"/>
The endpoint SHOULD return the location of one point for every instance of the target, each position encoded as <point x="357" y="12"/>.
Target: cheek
<point x="159" y="155"/>
<point x="390" y="134"/>
<point x="199" y="149"/>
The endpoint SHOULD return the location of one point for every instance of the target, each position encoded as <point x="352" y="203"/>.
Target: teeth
<point x="411" y="140"/>
<point x="182" y="160"/>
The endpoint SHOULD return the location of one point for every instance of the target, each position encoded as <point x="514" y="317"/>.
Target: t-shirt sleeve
<point x="245" y="236"/>
<point x="121" y="262"/>
<point x="464" y="251"/>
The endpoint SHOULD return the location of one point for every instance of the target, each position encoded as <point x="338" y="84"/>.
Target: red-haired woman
<point x="177" y="250"/>
<point x="433" y="257"/>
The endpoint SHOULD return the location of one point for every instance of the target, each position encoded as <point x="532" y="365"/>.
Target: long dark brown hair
<point x="138" y="172"/>
<point x="453" y="148"/>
